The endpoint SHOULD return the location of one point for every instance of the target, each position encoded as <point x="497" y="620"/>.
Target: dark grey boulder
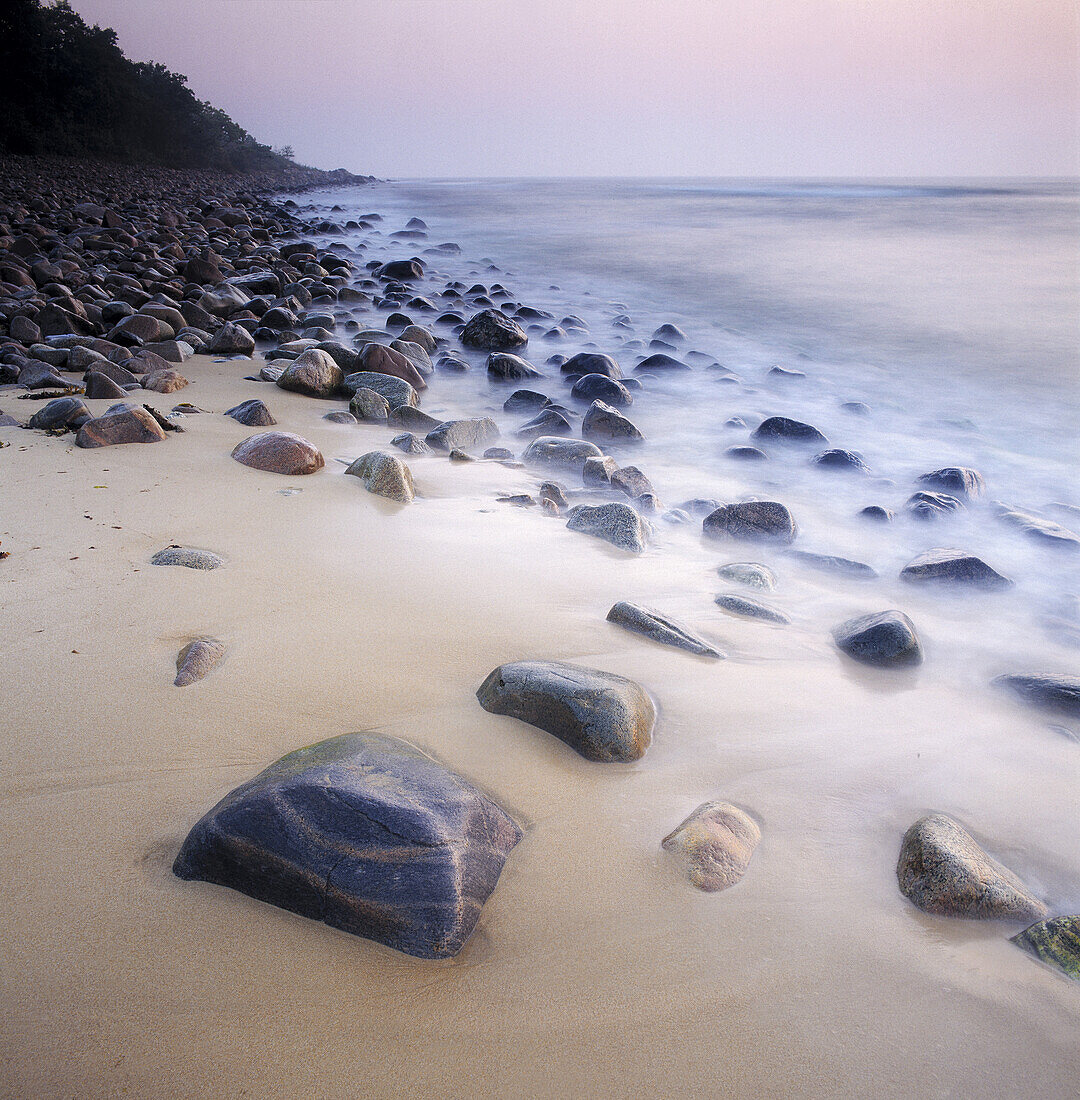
<point x="746" y="608"/>
<point x="830" y="563"/>
<point x="783" y="429"/>
<point x="411" y="418"/>
<point x="661" y="363"/>
<point x="604" y="717"/>
<point x="630" y="481"/>
<point x="944" y="871"/>
<point x="492" y="330"/>
<point x="230" y="339"/>
<point x="958" y="480"/>
<point x="658" y="627"/>
<point x="506" y="367"/>
<point x="591" y="362"/>
<point x="560" y="455"/>
<point x="61" y="412"/>
<point x="100" y="387"/>
<point x="1040" y="529"/>
<point x="599" y="387"/>
<point x="839" y="459"/>
<point x="753" y="519"/>
<point x="526" y="401"/>
<point x="887" y="638"/>
<point x="368" y="405"/>
<point x="746" y="454"/>
<point x="1056" y="693"/>
<point x="546" y="422"/>
<point x="410" y="444"/>
<point x="931" y="505"/>
<point x="396" y="390"/>
<point x="616" y="523"/>
<point x="953" y="567"/>
<point x="253" y="413"/>
<point x="364" y="833"/>
<point x="607" y="424"/>
<point x="463" y="435"/>
<point x="876" y="513"/>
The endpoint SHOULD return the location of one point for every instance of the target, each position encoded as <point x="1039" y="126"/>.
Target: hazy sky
<point x="401" y="88"/>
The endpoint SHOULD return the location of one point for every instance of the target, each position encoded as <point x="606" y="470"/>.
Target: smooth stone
<point x="164" y="381"/>
<point x="253" y="413"/>
<point x="461" y="435"/>
<point x="120" y="424"/>
<point x="659" y="363"/>
<point x="830" y="563"/>
<point x="1057" y="693"/>
<point x="410" y="444"/>
<point x="955" y="567"/>
<point x="526" y="401"/>
<point x="313" y="373"/>
<point x="547" y="422"/>
<point x="1042" y="530"/>
<point x="746" y="608"/>
<point x="746" y="454"/>
<point x="385" y="475"/>
<point x="754" y="519"/>
<point x="492" y="330"/>
<point x="340" y="416"/>
<point x="406" y="416"/>
<point x="784" y="429"/>
<point x="715" y="844"/>
<point x="98" y="387"/>
<point x="231" y="339"/>
<point x="932" y="505"/>
<point x="887" y="638"/>
<point x="630" y="481"/>
<point x="876" y="513"/>
<point x="700" y="507"/>
<point x="599" y="387"/>
<point x="279" y="453"/>
<point x="658" y="627"/>
<point x="607" y="424"/>
<point x="604" y="717"/>
<point x="591" y="362"/>
<point x="507" y="367"/>
<point x="188" y="557"/>
<point x="196" y="660"/>
<point x="396" y="390"/>
<point x="61" y="412"/>
<point x="368" y="405"/>
<point x="379" y="359"/>
<point x="839" y="459"/>
<point x="560" y="455"/>
<point x="616" y="523"/>
<point x="365" y="833"/>
<point x="1056" y="942"/>
<point x="944" y="871"/>
<point x="957" y="480"/>
<point x="748" y="573"/>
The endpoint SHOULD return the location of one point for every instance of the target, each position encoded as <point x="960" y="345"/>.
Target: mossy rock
<point x="1056" y="942"/>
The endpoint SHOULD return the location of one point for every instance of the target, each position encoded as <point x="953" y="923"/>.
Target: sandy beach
<point x="595" y="970"/>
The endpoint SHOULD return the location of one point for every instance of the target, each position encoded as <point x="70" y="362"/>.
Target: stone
<point x="604" y="717"/>
<point x="957" y="480"/>
<point x="715" y="844"/>
<point x="616" y="523"/>
<point x="463" y="434"/>
<point x="415" y="354"/>
<point x="492" y="330"/>
<point x="547" y="422"/>
<point x="188" y="557"/>
<point x="396" y="390"/>
<point x="876" y="513"/>
<point x="410" y="444"/>
<point x="403" y="270"/>
<point x="568" y="456"/>
<point x="660" y="363"/>
<point x="139" y="328"/>
<point x="369" y="405"/>
<point x="164" y="381"/>
<point x="630" y="481"/>
<point x="746" y="608"/>
<point x="365" y="833"/>
<point x="341" y="416"/>
<point x="746" y="454"/>
<point x="61" y="412"/>
<point x="120" y="424"/>
<point x="414" y="334"/>
<point x="222" y="301"/>
<point x="526" y="401"/>
<point x="506" y="367"/>
<point x="597" y="471"/>
<point x="944" y="871"/>
<point x="591" y="362"/>
<point x="253" y="413"/>
<point x="839" y="459"/>
<point x="1056" y="942"/>
<point x="782" y="429"/>
<point x="379" y="359"/>
<point x="932" y="505"/>
<point x="954" y="567"/>
<point x="231" y="339"/>
<point x="406" y="416"/>
<point x="279" y="453"/>
<point x="553" y="491"/>
<point x="313" y="373"/>
<point x="598" y="387"/>
<point x="196" y="660"/>
<point x="658" y="627"/>
<point x="605" y="423"/>
<point x="754" y="519"/>
<point x="830" y="563"/>
<point x="886" y="639"/>
<point x="99" y="387"/>
<point x="1041" y="530"/>
<point x="748" y="573"/>
<point x="385" y="475"/>
<point x="1056" y="693"/>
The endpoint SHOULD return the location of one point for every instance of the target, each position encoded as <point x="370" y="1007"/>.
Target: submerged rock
<point x="1056" y="942"/>
<point x="943" y="871"/>
<point x="754" y="519"/>
<point x="364" y="833"/>
<point x="188" y="557"/>
<point x="507" y="367"/>
<point x="747" y="608"/>
<point x="887" y="638"/>
<point x="384" y="475"/>
<point x="606" y="423"/>
<point x="1057" y="693"/>
<point x="658" y="627"/>
<point x="830" y="563"/>
<point x="839" y="459"/>
<point x="715" y="844"/>
<point x="492" y="330"/>
<point x="588" y="363"/>
<point x="748" y="573"/>
<point x="463" y="434"/>
<point x="410" y="444"/>
<point x="616" y="523"/>
<point x="560" y="455"/>
<point x="932" y="505"/>
<point x="957" y="480"/>
<point x="1040" y="529"/>
<point x="196" y="660"/>
<point x="279" y="453"/>
<point x="785" y="430"/>
<point x="955" y="567"/>
<point x="602" y="716"/>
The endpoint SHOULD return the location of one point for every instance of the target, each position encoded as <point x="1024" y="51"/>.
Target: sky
<point x="464" y="88"/>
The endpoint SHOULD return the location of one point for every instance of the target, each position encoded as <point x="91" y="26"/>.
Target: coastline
<point x="594" y="966"/>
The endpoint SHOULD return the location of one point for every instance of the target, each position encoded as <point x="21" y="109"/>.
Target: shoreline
<point x="593" y="960"/>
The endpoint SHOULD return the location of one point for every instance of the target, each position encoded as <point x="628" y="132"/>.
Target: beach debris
<point x="279" y="453"/>
<point x="652" y="624"/>
<point x="714" y="845"/>
<point x="385" y="475"/>
<point x="196" y="660"/>
<point x="887" y="638"/>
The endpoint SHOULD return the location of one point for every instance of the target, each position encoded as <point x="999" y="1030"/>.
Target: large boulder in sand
<point x="1056" y="693"/>
<point x="943" y="871"/>
<point x="252" y="413"/>
<point x="60" y="413"/>
<point x="1056" y="942"/>
<point x="602" y="716"/>
<point x="658" y="627"/>
<point x="362" y="832"/>
<point x="753" y="519"/>
<point x="616" y="523"/>
<point x="715" y="844"/>
<point x="887" y="638"/>
<point x="942" y="565"/>
<point x="385" y="475"/>
<point x="279" y="453"/>
<point x="313" y="373"/>
<point x="120" y="424"/>
<point x="492" y="330"/>
<point x="379" y="359"/>
<point x="463" y="435"/>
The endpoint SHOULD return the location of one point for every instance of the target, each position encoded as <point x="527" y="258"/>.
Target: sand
<point x="595" y="969"/>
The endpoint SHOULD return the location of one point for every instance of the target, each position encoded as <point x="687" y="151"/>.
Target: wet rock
<point x="715" y="844"/>
<point x="830" y="563"/>
<point x="630" y="481"/>
<point x="746" y="608"/>
<point x="279" y="453"/>
<point x="340" y="416"/>
<point x="746" y="454"/>
<point x="597" y="471"/>
<point x="748" y="573"/>
<point x="590" y="362"/>
<point x="519" y="500"/>
<point x="943" y="871"/>
<point x="378" y="359"/>
<point x="1055" y="693"/>
<point x="463" y="435"/>
<point x="876" y="513"/>
<point x="526" y="401"/>
<point x="188" y="557"/>
<point x="101" y="387"/>
<point x="1056" y="942"/>
<point x="560" y="455"/>
<point x="230" y="339"/>
<point x="932" y="505"/>
<point x="414" y="334"/>
<point x="954" y="567"/>
<point x="492" y="330"/>
<point x="546" y="422"/>
<point x="405" y="416"/>
<point x="365" y="833"/>
<point x="786" y="373"/>
<point x="120" y="424"/>
<point x="604" y="717"/>
<point x="313" y="373"/>
<point x="839" y="459"/>
<point x="403" y="270"/>
<point x="368" y="405"/>
<point x="253" y="413"/>
<point x="956" y="480"/>
<point x="660" y="363"/>
<point x="196" y="660"/>
<point x="616" y="523"/>
<point x="782" y="429"/>
<point x="607" y="424"/>
<point x="700" y="507"/>
<point x="458" y="455"/>
<point x="1041" y="530"/>
<point x="385" y="475"/>
<point x="410" y="444"/>
<point x="658" y="627"/>
<point x="396" y="390"/>
<point x="598" y="387"/>
<point x="886" y="639"/>
<point x="61" y="412"/>
<point x="553" y="491"/>
<point x="506" y="367"/>
<point x="754" y="519"/>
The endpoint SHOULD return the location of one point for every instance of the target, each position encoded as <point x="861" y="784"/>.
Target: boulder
<point x="492" y="330"/>
<point x="99" y="387"/>
<point x="365" y="833"/>
<point x="953" y="567"/>
<point x="661" y="362"/>
<point x="369" y="405"/>
<point x="406" y="416"/>
<point x="403" y="270"/>
<point x="631" y="482"/>
<point x="120" y="424"/>
<point x="138" y="329"/>
<point x="313" y="373"/>
<point x="958" y="480"/>
<point x="597" y="472"/>
<point x="1056" y="942"/>
<point x="410" y="444"/>
<point x="830" y="563"/>
<point x="379" y="359"/>
<point x="599" y="387"/>
<point x="384" y="475"/>
<point x="253" y="413"/>
<point x="547" y="422"/>
<point x="61" y="412"/>
<point x="1041" y="530"/>
<point x="396" y="390"/>
<point x="463" y="435"/>
<point x="164" y="381"/>
<point x="748" y="573"/>
<point x="753" y="519"/>
<point x="196" y="660"/>
<point x="231" y="339"/>
<point x="607" y="424"/>
<point x="839" y="459"/>
<point x="279" y="453"/>
<point x="782" y="429"/>
<point x="715" y="844"/>
<point x="526" y="401"/>
<point x="616" y="523"/>
<point x="550" y="453"/>
<point x="506" y="367"/>
<point x="932" y="505"/>
<point x="746" y="454"/>
<point x="887" y="639"/>
<point x="658" y="627"/>
<point x="591" y="363"/>
<point x="1056" y="693"/>
<point x="746" y="608"/>
<point x="943" y="871"/>
<point x="604" y="717"/>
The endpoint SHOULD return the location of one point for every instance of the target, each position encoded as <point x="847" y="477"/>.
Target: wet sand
<point x="595" y="969"/>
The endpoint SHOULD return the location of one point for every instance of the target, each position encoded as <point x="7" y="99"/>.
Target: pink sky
<point x="626" y="87"/>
